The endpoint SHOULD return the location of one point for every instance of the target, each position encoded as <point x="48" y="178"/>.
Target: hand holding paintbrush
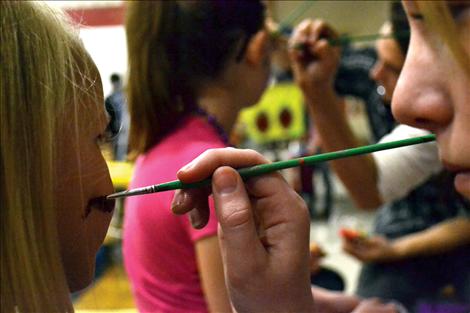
<point x="263" y="232"/>
<point x="316" y="62"/>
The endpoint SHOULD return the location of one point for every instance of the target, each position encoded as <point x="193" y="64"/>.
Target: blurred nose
<point x="421" y="97"/>
<point x="376" y="72"/>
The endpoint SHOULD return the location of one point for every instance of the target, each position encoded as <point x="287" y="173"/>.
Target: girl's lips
<point x="462" y="178"/>
<point x="454" y="168"/>
<point x="462" y="183"/>
<point x="100" y="203"/>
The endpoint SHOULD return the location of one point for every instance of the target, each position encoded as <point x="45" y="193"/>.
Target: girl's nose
<point x="421" y="101"/>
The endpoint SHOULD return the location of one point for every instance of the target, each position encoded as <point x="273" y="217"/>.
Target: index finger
<point x="300" y="33"/>
<point x="322" y="30"/>
<point x="204" y="165"/>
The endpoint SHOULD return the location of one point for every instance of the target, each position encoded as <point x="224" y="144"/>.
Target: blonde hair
<point x="42" y="66"/>
<point x="438" y="17"/>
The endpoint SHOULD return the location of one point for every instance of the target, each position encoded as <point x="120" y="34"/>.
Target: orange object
<point x="351" y="234"/>
<point x="316" y="251"/>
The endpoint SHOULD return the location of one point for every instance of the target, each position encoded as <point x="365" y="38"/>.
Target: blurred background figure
<point x="184" y="94"/>
<point x="117" y="108"/>
<point x="414" y="196"/>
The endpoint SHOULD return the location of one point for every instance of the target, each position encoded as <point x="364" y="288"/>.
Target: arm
<point x="358" y="174"/>
<point x="211" y="272"/>
<point x="441" y="238"/>
<point x="314" y="70"/>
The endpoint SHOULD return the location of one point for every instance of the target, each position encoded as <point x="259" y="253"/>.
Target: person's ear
<point x="257" y="48"/>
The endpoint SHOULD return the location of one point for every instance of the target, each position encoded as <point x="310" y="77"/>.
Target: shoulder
<point x="191" y="138"/>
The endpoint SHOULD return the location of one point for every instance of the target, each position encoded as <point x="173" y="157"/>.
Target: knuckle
<point x="319" y="23"/>
<point x="235" y="215"/>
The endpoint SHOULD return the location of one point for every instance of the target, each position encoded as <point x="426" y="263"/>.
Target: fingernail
<point x="226" y="182"/>
<point x="195" y="222"/>
<point x="191" y="219"/>
<point x="178" y="201"/>
<point x="186" y="167"/>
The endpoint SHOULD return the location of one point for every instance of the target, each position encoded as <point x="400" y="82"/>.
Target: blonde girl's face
<point x="433" y="91"/>
<point x="82" y="177"/>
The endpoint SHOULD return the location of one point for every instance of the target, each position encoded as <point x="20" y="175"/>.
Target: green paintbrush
<point x="346" y="39"/>
<point x="258" y="170"/>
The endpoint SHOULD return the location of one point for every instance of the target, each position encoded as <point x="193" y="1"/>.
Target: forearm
<point x="210" y="268"/>
<point x="358" y="174"/>
<point x="438" y="239"/>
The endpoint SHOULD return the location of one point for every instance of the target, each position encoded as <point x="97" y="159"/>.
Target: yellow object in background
<point x="280" y="115"/>
<point x="121" y="174"/>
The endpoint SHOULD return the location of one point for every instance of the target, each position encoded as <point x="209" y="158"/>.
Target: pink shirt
<point x="158" y="246"/>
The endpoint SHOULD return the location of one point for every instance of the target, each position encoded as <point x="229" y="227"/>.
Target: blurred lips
<point x="454" y="168"/>
<point x="462" y="178"/>
<point x="462" y="183"/>
<point x="100" y="203"/>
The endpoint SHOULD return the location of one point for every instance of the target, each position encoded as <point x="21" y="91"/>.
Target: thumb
<point x="234" y="212"/>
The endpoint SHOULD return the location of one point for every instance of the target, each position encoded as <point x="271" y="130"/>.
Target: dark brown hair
<point x="173" y="48"/>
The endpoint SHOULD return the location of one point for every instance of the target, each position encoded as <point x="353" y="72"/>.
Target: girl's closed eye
<point x="459" y="11"/>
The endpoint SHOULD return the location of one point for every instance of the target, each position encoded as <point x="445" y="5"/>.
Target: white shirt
<point x="403" y="169"/>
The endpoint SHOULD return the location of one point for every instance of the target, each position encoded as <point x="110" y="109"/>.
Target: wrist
<point x="322" y="101"/>
<point x="398" y="251"/>
<point x="318" y="91"/>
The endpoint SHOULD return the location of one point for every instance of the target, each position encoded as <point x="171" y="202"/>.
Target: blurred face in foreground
<point x="434" y="88"/>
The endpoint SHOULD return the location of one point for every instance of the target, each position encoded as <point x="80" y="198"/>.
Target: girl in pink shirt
<point x="192" y="67"/>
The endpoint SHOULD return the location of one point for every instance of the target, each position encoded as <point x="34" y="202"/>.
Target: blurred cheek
<point x="82" y="176"/>
<point x="391" y="86"/>
<point x="459" y="129"/>
<point x="375" y="72"/>
<point x="72" y="238"/>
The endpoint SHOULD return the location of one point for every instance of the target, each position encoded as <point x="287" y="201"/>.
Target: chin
<point x="79" y="280"/>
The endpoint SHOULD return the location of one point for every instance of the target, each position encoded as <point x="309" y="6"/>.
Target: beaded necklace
<point x="215" y="124"/>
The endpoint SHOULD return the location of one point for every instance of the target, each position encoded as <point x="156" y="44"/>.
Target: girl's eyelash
<point x="108" y="136"/>
<point x="417" y="16"/>
<point x="112" y="129"/>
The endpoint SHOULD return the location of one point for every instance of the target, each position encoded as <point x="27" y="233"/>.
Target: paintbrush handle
<point x="262" y="169"/>
<point x="346" y="39"/>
